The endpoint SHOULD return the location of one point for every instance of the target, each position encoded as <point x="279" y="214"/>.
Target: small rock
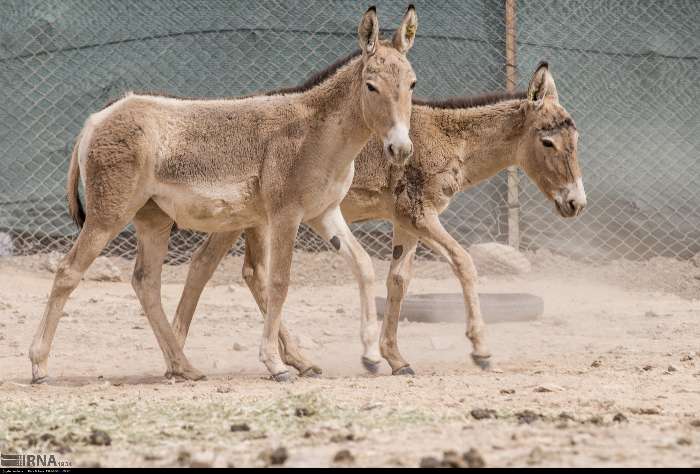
<point x="566" y="416"/>
<point x="688" y="357"/>
<point x="483" y="413"/>
<point x="99" y="438"/>
<point x="620" y="418"/>
<point x="596" y="420"/>
<point x="548" y="388"/>
<point x="683" y="441"/>
<point x="240" y="427"/>
<point x="303" y="412"/>
<point x="344" y="456"/>
<point x="646" y="411"/>
<point x="275" y="457"/>
<point x="453" y="460"/>
<point x="527" y="416"/>
<point x="495" y="258"/>
<point x="651" y="314"/>
<point x="597" y="363"/>
<point x="647" y="368"/>
<point x="102" y="269"/>
<point x="340" y="311"/>
<point x="695" y="423"/>
<point x="223" y="389"/>
<point x="429" y="463"/>
<point x="238" y="347"/>
<point x="672" y="368"/>
<point x="474" y="459"/>
<point x="507" y="391"/>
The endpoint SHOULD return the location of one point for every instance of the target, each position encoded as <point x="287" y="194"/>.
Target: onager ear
<point x="368" y="32"/>
<point x="406" y="33"/>
<point x="542" y="84"/>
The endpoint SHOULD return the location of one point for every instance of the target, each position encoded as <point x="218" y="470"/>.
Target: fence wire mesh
<point x="627" y="72"/>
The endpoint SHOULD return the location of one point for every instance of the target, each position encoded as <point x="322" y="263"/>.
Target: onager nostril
<point x="391" y="149"/>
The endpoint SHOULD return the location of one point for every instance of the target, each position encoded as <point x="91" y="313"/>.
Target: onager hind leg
<point x="153" y="229"/>
<point x="202" y="267"/>
<point x="400" y="273"/>
<point x="90" y="242"/>
<point x="255" y="275"/>
<point x="432" y="232"/>
<point x="283" y="231"/>
<point x="332" y="227"/>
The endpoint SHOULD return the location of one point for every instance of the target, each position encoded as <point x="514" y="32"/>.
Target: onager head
<point x="547" y="152"/>
<point x="388" y="83"/>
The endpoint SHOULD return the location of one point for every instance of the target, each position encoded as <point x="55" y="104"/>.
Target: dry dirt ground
<point x="609" y="376"/>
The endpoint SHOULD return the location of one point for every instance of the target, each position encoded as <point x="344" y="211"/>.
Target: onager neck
<point x="335" y="105"/>
<point x="485" y="138"/>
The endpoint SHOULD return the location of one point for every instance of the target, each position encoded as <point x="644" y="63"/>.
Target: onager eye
<point x="413" y="85"/>
<point x="547" y="142"/>
<point x="371" y="88"/>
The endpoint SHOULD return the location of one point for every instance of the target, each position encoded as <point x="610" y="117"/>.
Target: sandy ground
<point x="609" y="376"/>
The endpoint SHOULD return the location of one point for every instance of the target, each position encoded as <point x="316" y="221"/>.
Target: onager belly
<point x="215" y="207"/>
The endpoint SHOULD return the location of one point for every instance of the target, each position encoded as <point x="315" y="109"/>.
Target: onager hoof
<point x="282" y="377"/>
<point x="406" y="370"/>
<point x="312" y="372"/>
<point x="39" y="374"/>
<point x="483" y="362"/>
<point x="187" y="374"/>
<point x="370" y="365"/>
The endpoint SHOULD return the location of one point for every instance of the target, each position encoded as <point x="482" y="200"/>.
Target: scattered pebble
<point x="597" y="363"/>
<point x="549" y="388"/>
<point x="566" y="416"/>
<point x="99" y="438"/>
<point x="507" y="391"/>
<point x="223" y="389"/>
<point x="429" y="463"/>
<point x="474" y="459"/>
<point x="672" y="368"/>
<point x="596" y="420"/>
<point x="620" y="418"/>
<point x="527" y="416"/>
<point x="683" y="441"/>
<point x="453" y="460"/>
<point x="240" y="427"/>
<point x="303" y="412"/>
<point x="344" y="456"/>
<point x="647" y="368"/>
<point x="646" y="411"/>
<point x="483" y="413"/>
<point x="238" y="347"/>
<point x="695" y="423"/>
<point x="275" y="457"/>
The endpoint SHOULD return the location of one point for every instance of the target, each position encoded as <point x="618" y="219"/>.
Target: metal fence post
<point x="511" y="79"/>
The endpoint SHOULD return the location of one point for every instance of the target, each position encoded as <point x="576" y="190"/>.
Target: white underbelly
<point x="212" y="208"/>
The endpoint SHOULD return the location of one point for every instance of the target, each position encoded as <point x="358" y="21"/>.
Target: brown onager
<point x="269" y="161"/>
<point x="458" y="143"/>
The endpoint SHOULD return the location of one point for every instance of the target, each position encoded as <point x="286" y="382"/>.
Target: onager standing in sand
<point x="458" y="143"/>
<point x="269" y="161"/>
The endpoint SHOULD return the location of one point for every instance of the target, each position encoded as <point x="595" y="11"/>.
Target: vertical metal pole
<point x="511" y="80"/>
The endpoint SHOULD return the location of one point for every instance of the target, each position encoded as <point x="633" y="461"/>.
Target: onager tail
<point x="75" y="207"/>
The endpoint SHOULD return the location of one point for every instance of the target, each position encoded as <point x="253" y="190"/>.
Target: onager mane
<point x="471" y="101"/>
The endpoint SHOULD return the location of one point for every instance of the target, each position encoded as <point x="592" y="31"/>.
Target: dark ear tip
<point x="372" y="9"/>
<point x="542" y="64"/>
<point x="411" y="7"/>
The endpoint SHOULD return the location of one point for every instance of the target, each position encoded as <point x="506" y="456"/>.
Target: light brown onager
<point x="270" y="161"/>
<point x="459" y="143"/>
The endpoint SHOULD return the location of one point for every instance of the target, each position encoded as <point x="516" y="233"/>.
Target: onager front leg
<point x="255" y="275"/>
<point x="153" y="230"/>
<point x="283" y="231"/>
<point x="431" y="231"/>
<point x="400" y="273"/>
<point x="332" y="227"/>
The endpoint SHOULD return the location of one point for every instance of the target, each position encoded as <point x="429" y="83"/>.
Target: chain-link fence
<point x="627" y="71"/>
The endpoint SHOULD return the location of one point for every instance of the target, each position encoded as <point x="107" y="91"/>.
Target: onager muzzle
<point x="571" y="199"/>
<point x="398" y="145"/>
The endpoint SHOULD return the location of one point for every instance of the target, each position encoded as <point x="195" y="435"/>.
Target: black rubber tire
<point x="449" y="307"/>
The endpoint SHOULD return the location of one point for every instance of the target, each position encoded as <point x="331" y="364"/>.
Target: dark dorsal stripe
<point x="467" y="102"/>
<point x="310" y="83"/>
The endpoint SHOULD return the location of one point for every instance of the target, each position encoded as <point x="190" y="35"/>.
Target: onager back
<point x="458" y="143"/>
<point x="269" y="161"/>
